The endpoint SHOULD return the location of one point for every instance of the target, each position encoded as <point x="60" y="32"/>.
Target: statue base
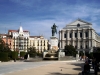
<point x="54" y="43"/>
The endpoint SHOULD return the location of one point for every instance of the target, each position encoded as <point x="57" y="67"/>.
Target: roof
<point x="4" y="34"/>
<point x="75" y="23"/>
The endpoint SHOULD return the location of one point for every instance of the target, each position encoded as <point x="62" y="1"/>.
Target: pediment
<point x="79" y="21"/>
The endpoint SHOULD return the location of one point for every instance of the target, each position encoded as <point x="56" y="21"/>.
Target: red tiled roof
<point x="12" y="30"/>
<point x="4" y="34"/>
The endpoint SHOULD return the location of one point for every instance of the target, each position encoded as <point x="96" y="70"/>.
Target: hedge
<point x="4" y="56"/>
<point x="14" y="55"/>
<point x="22" y="54"/>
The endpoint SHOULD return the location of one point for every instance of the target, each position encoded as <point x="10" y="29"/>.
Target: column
<point x="84" y="44"/>
<point x="77" y="44"/>
<point x="89" y="43"/>
<point x="67" y="42"/>
<point x="67" y="34"/>
<point x="62" y="35"/>
<point x="73" y="43"/>
<point x="73" y="34"/>
<point x="63" y="45"/>
<point x="83" y="34"/>
<point x="60" y="39"/>
<point x="78" y="35"/>
<point x="89" y="34"/>
<point x="73" y="37"/>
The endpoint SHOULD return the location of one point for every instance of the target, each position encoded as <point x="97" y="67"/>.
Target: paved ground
<point x="58" y="68"/>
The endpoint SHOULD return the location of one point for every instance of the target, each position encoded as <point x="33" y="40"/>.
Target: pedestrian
<point x="80" y="58"/>
<point x="96" y="67"/>
<point x="86" y="69"/>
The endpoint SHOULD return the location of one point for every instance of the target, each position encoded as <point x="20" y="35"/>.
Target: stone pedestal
<point x="54" y="43"/>
<point x="28" y="57"/>
<point x="61" y="54"/>
<point x="44" y="54"/>
<point x="77" y="57"/>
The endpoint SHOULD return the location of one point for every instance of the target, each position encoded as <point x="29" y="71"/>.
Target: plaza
<point x="71" y="67"/>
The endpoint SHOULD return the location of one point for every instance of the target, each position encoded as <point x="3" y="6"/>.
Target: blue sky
<point x="37" y="16"/>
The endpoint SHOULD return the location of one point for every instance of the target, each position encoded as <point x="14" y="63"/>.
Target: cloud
<point x="38" y="16"/>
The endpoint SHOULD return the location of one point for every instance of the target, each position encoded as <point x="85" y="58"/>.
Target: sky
<point x="38" y="16"/>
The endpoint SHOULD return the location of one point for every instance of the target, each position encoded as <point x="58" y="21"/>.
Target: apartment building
<point x="39" y="42"/>
<point x="20" y="40"/>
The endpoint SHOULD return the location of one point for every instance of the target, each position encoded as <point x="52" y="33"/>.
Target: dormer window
<point x="78" y="25"/>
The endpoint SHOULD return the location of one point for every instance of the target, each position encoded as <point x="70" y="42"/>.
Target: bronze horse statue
<point x="54" y="30"/>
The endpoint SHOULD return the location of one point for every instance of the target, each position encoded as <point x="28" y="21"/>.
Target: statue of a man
<point x="54" y="30"/>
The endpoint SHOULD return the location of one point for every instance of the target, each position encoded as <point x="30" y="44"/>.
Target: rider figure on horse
<point x="54" y="30"/>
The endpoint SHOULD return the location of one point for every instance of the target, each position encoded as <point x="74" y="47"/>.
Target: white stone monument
<point x="54" y="43"/>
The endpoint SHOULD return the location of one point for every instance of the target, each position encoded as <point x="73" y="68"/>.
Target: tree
<point x="14" y="55"/>
<point x="22" y="54"/>
<point x="4" y="47"/>
<point x="32" y="51"/>
<point x="70" y="50"/>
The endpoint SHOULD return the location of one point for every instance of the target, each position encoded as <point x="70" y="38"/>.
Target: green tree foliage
<point x="81" y="53"/>
<point x="32" y="51"/>
<point x="4" y="56"/>
<point x="22" y="54"/>
<point x="14" y="55"/>
<point x="70" y="50"/>
<point x="4" y="47"/>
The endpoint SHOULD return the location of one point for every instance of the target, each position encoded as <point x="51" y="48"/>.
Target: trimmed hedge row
<point x="22" y="54"/>
<point x="4" y="57"/>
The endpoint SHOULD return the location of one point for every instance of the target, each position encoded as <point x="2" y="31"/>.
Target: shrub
<point x="70" y="50"/>
<point x="4" y="56"/>
<point x="14" y="55"/>
<point x="22" y="54"/>
<point x="32" y="54"/>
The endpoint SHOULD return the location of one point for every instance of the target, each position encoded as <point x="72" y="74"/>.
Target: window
<point x="44" y="44"/>
<point x="78" y="25"/>
<point x="70" y="35"/>
<point x="86" y="34"/>
<point x="81" y="46"/>
<point x="75" y="35"/>
<point x="80" y="34"/>
<point x="41" y="44"/>
<point x="64" y="35"/>
<point x="86" y="47"/>
<point x="76" y="47"/>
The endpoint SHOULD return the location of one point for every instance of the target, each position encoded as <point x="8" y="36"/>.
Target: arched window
<point x="78" y="25"/>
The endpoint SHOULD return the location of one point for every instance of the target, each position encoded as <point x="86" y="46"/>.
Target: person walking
<point x="86" y="69"/>
<point x="96" y="67"/>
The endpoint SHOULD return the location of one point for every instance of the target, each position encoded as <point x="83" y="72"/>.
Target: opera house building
<point x="80" y="34"/>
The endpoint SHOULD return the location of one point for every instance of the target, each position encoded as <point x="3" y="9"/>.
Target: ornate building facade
<point x="80" y="34"/>
<point x="21" y="40"/>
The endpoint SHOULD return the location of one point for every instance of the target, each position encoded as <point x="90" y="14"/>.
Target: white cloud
<point x="43" y="17"/>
